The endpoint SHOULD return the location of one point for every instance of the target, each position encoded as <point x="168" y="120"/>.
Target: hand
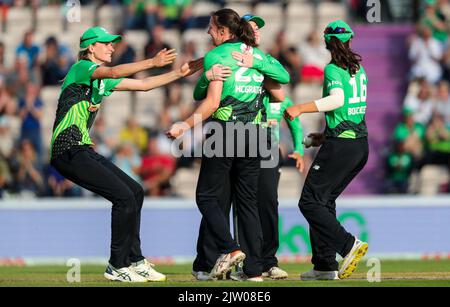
<point x="164" y="57"/>
<point x="299" y="164"/>
<point x="244" y="59"/>
<point x="317" y="139"/>
<point x="218" y="72"/>
<point x="176" y="130"/>
<point x="191" y="67"/>
<point x="292" y="112"/>
<point x="272" y="122"/>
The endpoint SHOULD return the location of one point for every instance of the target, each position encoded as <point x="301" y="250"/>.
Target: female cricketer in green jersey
<point x="71" y="147"/>
<point x="268" y="177"/>
<point x="236" y="100"/>
<point x="343" y="154"/>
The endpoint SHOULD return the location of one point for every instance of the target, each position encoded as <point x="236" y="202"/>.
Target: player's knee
<point x="306" y="205"/>
<point x="125" y="197"/>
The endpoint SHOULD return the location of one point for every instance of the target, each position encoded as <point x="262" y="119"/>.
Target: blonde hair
<point x="83" y="54"/>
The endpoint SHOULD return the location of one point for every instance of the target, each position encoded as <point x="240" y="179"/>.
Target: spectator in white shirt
<point x="442" y="101"/>
<point x="421" y="103"/>
<point x="425" y="53"/>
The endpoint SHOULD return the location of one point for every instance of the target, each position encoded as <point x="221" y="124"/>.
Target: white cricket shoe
<point x="350" y="261"/>
<point x="202" y="276"/>
<point x="225" y="262"/>
<point x="122" y="274"/>
<point x="319" y="275"/>
<point x="275" y="273"/>
<point x="146" y="270"/>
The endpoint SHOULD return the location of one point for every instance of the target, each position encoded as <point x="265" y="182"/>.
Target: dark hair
<point x="51" y="40"/>
<point x="240" y="28"/>
<point x="343" y="56"/>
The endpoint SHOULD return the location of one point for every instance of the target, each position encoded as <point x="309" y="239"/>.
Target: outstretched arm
<point x="204" y="110"/>
<point x="269" y="66"/>
<point x="217" y="72"/>
<point x="149" y="83"/>
<point x="163" y="58"/>
<point x="334" y="101"/>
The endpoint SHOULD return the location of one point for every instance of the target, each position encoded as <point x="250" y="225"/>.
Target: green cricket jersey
<point x="274" y="111"/>
<point x="78" y="104"/>
<point x="242" y="92"/>
<point x="347" y="121"/>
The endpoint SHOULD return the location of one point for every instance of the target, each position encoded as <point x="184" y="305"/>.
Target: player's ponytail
<point x="238" y="27"/>
<point x="343" y="56"/>
<point x="83" y="54"/>
<point x="246" y="33"/>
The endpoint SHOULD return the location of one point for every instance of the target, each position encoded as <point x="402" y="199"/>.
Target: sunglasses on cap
<point x="337" y="30"/>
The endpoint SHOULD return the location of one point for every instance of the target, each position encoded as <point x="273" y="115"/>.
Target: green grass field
<point x="393" y="273"/>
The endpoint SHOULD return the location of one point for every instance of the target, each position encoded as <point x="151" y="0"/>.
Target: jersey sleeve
<point x="110" y="84"/>
<point x="83" y="72"/>
<point x="271" y="67"/>
<point x="201" y="88"/>
<point x="332" y="78"/>
<point x="296" y="128"/>
<point x="211" y="58"/>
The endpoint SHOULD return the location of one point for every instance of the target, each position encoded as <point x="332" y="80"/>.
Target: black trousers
<point x="215" y="174"/>
<point x="207" y="250"/>
<point x="268" y="213"/>
<point x="85" y="167"/>
<point x="336" y="164"/>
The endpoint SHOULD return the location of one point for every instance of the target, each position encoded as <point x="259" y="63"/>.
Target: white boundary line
<point x="354" y="202"/>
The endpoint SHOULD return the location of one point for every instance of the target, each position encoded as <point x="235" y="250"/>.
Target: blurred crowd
<point x="420" y="151"/>
<point x="141" y="151"/>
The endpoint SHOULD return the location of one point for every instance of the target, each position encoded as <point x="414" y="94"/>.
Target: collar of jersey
<point x="231" y="41"/>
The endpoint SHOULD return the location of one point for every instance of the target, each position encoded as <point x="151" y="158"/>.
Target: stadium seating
<point x="148" y="107"/>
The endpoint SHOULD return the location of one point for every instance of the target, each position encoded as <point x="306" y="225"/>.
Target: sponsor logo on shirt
<point x="331" y="83"/>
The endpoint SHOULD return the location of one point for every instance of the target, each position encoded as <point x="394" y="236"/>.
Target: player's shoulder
<point x="288" y="101"/>
<point x="258" y="53"/>
<point x="331" y="67"/>
<point x="213" y="56"/>
<point x="361" y="69"/>
<point x="218" y="51"/>
<point x="84" y="65"/>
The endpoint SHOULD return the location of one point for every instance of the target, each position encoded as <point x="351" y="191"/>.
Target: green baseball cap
<point x="339" y="29"/>
<point x="258" y="20"/>
<point x="97" y="34"/>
